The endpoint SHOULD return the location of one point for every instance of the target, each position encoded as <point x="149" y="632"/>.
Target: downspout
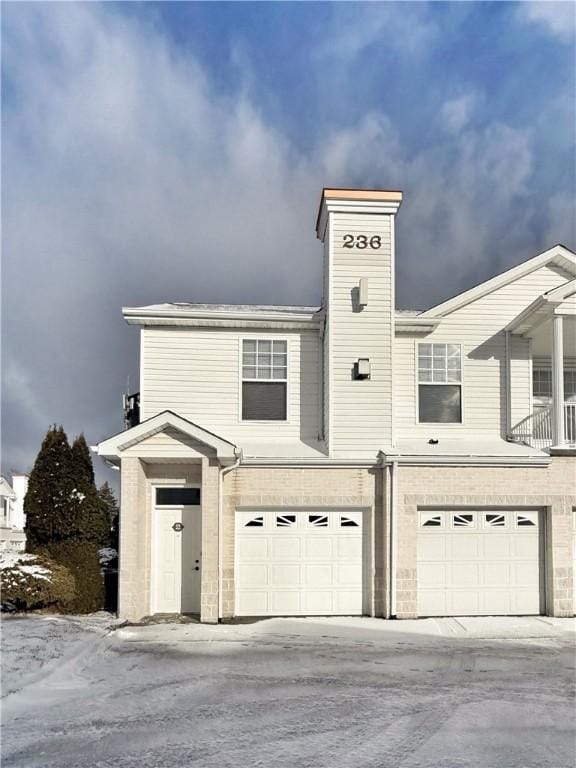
<point x="222" y="471"/>
<point x="393" y="536"/>
<point x="508" y="398"/>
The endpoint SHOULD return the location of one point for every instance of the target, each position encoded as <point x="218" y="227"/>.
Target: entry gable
<point x="174" y="435"/>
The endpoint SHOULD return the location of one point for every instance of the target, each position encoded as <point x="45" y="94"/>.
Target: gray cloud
<point x="129" y="179"/>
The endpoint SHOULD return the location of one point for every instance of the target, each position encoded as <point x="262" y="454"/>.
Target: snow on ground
<point x="289" y="693"/>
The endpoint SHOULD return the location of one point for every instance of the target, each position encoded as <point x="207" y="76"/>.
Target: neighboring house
<point x="354" y="458"/>
<point x="12" y="517"/>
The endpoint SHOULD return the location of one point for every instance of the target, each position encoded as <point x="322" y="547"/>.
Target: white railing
<point x="570" y="423"/>
<point x="536" y="430"/>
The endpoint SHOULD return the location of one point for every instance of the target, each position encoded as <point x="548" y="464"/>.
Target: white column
<point x="557" y="381"/>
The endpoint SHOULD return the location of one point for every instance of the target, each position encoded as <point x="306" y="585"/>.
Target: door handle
<point x="177" y="527"/>
<point x="197" y="568"/>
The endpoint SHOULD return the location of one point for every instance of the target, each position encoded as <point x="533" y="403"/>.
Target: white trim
<point x="286" y="381"/>
<point x="330" y="437"/>
<point x="462" y="421"/>
<point x="392" y="327"/>
<point x="141" y="374"/>
<point x="112" y="447"/>
<point x="560" y="255"/>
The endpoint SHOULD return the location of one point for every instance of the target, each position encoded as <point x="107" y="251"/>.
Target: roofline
<point x="114" y="445"/>
<point x="139" y="315"/>
<point x="393" y="196"/>
<point x="503" y="278"/>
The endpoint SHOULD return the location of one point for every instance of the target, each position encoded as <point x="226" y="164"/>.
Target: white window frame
<point x="545" y="400"/>
<point x="241" y="379"/>
<point x="438" y="424"/>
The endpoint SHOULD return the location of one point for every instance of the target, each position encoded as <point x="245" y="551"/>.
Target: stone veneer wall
<point x="551" y="488"/>
<point x="253" y="487"/>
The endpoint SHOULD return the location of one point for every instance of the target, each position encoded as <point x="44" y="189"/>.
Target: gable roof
<point x="113" y="446"/>
<point x="558" y="255"/>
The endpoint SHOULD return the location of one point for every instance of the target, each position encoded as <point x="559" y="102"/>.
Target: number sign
<point x="363" y="241"/>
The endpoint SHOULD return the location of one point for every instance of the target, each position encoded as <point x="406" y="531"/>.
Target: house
<point x="354" y="458"/>
<point x="12" y="517"/>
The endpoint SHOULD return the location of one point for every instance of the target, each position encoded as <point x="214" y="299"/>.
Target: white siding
<point x="479" y="328"/>
<point x="361" y="412"/>
<point x="196" y="373"/>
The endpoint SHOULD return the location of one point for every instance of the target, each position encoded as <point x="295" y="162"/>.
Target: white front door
<point x="479" y="562"/>
<point x="298" y="562"/>
<point x="177" y="562"/>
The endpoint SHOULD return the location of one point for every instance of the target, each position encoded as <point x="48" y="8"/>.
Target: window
<point x="439" y="383"/>
<point x="177" y="497"/>
<point x="264" y="380"/>
<point x="542" y="384"/>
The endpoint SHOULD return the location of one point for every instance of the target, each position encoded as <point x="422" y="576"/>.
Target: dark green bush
<point x="24" y="589"/>
<point x="81" y="559"/>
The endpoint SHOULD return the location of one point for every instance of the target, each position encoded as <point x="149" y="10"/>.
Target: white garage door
<point x="479" y="562"/>
<point x="298" y="562"/>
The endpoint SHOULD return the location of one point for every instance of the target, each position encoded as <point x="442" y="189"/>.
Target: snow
<point x="287" y="693"/>
<point x="10" y="559"/>
<point x="18" y="560"/>
<point x="106" y="555"/>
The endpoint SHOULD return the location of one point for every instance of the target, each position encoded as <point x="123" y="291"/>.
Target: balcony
<point x="536" y="430"/>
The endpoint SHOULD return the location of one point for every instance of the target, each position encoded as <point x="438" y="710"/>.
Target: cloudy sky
<point x="176" y="151"/>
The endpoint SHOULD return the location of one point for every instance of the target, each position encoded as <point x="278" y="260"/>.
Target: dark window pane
<point x="177" y="496"/>
<point x="263" y="401"/>
<point x="440" y="404"/>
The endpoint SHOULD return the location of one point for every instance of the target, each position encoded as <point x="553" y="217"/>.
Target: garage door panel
<point x="284" y="574"/>
<point x="287" y="602"/>
<point x="319" y="575"/>
<point x="318" y="602"/>
<point x="495" y="573"/>
<point x="255" y="548"/>
<point x="349" y="547"/>
<point x="285" y="548"/>
<point x="350" y="575"/>
<point x="253" y="603"/>
<point x="318" y="547"/>
<point x="524" y="575"/>
<point x="464" y="575"/>
<point x="479" y="562"/>
<point x="433" y="574"/>
<point x="253" y="575"/>
<point x="463" y="547"/>
<point x="433" y="547"/>
<point x="497" y="546"/>
<point x="524" y="546"/>
<point x="299" y="562"/>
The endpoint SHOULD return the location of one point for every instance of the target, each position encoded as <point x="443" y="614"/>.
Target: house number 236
<point x="362" y="241"/>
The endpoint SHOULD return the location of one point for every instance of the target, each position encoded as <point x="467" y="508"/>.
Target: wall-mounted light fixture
<point x="362" y="368"/>
<point x="363" y="291"/>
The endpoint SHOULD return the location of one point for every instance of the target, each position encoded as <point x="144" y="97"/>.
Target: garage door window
<point x="439" y="383"/>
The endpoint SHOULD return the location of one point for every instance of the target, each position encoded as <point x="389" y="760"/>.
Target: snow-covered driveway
<point x="289" y="693"/>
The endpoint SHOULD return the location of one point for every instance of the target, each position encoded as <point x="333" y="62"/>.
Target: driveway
<point x="289" y="693"/>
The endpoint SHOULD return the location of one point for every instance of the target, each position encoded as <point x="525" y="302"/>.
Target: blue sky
<point x="176" y="151"/>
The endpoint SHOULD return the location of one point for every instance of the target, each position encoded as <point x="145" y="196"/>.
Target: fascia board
<point x="135" y="316"/>
<point x="555" y="254"/>
<point x="113" y="446"/>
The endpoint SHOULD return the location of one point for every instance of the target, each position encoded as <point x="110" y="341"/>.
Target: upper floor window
<point x="542" y="384"/>
<point x="440" y="383"/>
<point x="264" y="379"/>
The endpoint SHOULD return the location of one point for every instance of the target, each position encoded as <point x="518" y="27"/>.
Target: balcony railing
<point x="536" y="430"/>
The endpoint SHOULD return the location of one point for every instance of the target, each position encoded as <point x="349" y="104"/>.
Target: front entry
<point x="177" y="559"/>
